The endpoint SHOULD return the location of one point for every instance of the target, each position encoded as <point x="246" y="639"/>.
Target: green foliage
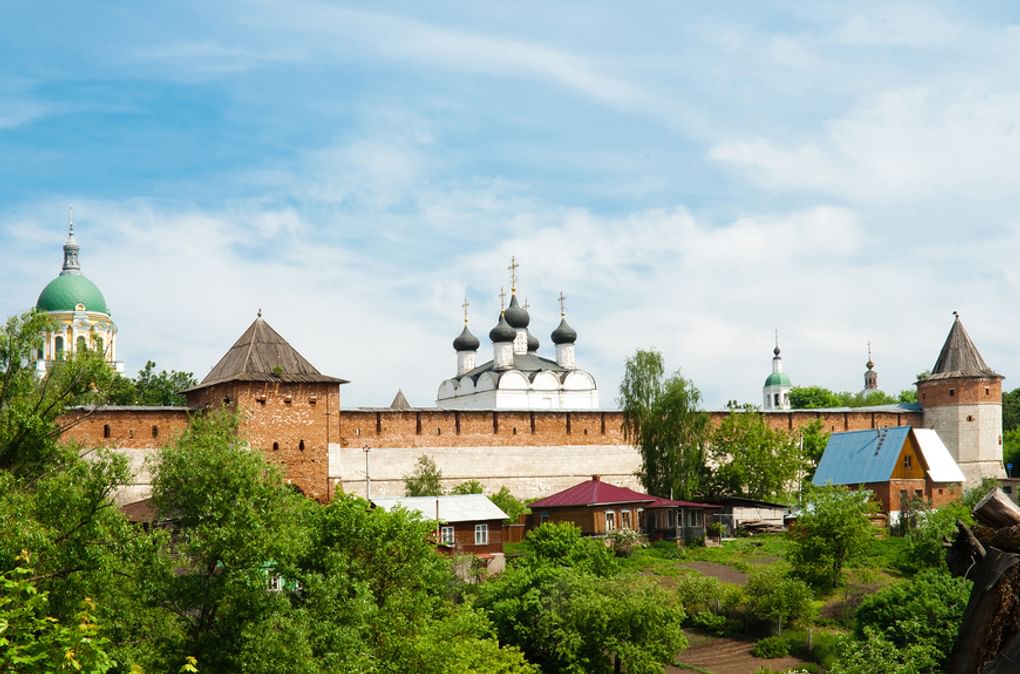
<point x="776" y="598"/>
<point x="925" y="612"/>
<point x="1011" y="410"/>
<point x="832" y="530"/>
<point x="924" y="548"/>
<point x="624" y="541"/>
<point x="813" y="439"/>
<point x="33" y="641"/>
<point x="873" y="653"/>
<point x="152" y="388"/>
<point x="565" y="620"/>
<point x="29" y="404"/>
<point x="561" y="544"/>
<point x="509" y="504"/>
<point x="771" y="647"/>
<point x="467" y="487"/>
<point x="752" y="459"/>
<point x="663" y="419"/>
<point x="907" y="395"/>
<point x="817" y="397"/>
<point x="974" y="494"/>
<point x="425" y="479"/>
<point x="1011" y="450"/>
<point x="238" y="523"/>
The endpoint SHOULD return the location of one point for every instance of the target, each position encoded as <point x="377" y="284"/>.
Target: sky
<point x="692" y="178"/>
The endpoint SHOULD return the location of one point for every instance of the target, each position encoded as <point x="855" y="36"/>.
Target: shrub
<point x="707" y="621"/>
<point x="699" y="593"/>
<point x="771" y="647"/>
<point x="667" y="549"/>
<point x="624" y="541"/>
<point x="776" y="598"/>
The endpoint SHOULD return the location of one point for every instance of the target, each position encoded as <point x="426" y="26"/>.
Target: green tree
<point x="833" y="530"/>
<point x="153" y="389"/>
<point x="1011" y="410"/>
<point x="237" y="524"/>
<point x="813" y="439"/>
<point x="468" y="487"/>
<point x="31" y="640"/>
<point x="663" y="419"/>
<point x="924" y="612"/>
<point x="907" y="395"/>
<point x="924" y="549"/>
<point x="812" y="397"/>
<point x="774" y="597"/>
<point x="425" y="479"/>
<point x="752" y="459"/>
<point x="874" y="653"/>
<point x="508" y="503"/>
<point x="565" y="620"/>
<point x="561" y="544"/>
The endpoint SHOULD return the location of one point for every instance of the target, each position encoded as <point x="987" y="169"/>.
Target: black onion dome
<point x="516" y="315"/>
<point x="466" y="341"/>
<point x="532" y="342"/>
<point x="502" y="332"/>
<point x="564" y="334"/>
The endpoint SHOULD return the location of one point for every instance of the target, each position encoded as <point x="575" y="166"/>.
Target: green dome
<point x="778" y="379"/>
<point x="67" y="291"/>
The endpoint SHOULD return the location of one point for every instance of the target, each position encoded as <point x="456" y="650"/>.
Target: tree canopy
<point x="817" y="397"/>
<point x="425" y="479"/>
<point x="751" y="458"/>
<point x="151" y="388"/>
<point x="833" y="529"/>
<point x="662" y="417"/>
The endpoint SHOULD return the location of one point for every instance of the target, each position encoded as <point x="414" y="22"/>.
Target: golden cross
<point x="513" y="274"/>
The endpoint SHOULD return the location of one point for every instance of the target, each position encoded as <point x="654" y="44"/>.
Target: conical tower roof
<point x="400" y="401"/>
<point x="261" y="354"/>
<point x="960" y="358"/>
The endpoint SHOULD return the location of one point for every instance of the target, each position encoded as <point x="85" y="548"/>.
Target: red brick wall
<point x="940" y="392"/>
<point x="292" y="424"/>
<point x="133" y="428"/>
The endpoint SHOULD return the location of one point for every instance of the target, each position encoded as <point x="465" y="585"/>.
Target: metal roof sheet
<point x="860" y="457"/>
<point x="592" y="492"/>
<point x="453" y="508"/>
<point x="941" y="466"/>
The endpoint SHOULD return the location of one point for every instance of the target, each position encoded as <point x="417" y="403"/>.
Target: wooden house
<point x="465" y="523"/>
<point x="897" y="464"/>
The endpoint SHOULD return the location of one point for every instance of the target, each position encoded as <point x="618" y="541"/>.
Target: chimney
<point x="596" y="477"/>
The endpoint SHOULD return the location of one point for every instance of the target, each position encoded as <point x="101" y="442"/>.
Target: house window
<point x="908" y="461"/>
<point x="919" y="494"/>
<point x="775" y="399"/>
<point x="694" y="518"/>
<point x="671" y="518"/>
<point x="610" y="521"/>
<point x="544" y="517"/>
<point x="625" y="520"/>
<point x="446" y="535"/>
<point x="481" y="534"/>
<point x="274" y="582"/>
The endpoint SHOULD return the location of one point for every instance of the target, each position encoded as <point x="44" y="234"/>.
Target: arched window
<point x="301" y="445"/>
<point x="80" y="344"/>
<point x="276" y="446"/>
<point x="58" y="346"/>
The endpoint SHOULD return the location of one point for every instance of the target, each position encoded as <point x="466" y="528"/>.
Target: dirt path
<point x="724" y="573"/>
<point x="729" y="656"/>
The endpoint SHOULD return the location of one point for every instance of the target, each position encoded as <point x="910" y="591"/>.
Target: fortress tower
<point x="288" y="409"/>
<point x="962" y="401"/>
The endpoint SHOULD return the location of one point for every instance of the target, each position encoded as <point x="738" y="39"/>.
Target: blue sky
<point x="692" y="179"/>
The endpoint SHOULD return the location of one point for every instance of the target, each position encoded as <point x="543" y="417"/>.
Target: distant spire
<point x="870" y="363"/>
<point x="502" y="299"/>
<point x="71" y="248"/>
<point x="466" y="305"/>
<point x="870" y="376"/>
<point x="775" y="351"/>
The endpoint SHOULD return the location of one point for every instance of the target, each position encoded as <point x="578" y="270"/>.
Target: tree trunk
<point x="997" y="510"/>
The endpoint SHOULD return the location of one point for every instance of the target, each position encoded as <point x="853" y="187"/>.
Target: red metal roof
<point x="592" y="492"/>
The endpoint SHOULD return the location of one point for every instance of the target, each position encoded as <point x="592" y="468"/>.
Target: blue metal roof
<point x="859" y="457"/>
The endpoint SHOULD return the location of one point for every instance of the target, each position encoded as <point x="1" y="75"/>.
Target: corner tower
<point x="962" y="401"/>
<point x="78" y="310"/>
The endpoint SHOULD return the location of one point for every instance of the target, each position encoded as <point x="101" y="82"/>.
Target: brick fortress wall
<point x="532" y="453"/>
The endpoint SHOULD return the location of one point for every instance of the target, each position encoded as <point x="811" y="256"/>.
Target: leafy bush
<point x="874" y="654"/>
<point x="624" y="541"/>
<point x="776" y="598"/>
<point x="923" y="549"/>
<point x="771" y="647"/>
<point x="561" y="544"/>
<point x="832" y="531"/>
<point x="707" y="621"/>
<point x="924" y="613"/>
<point x="699" y="593"/>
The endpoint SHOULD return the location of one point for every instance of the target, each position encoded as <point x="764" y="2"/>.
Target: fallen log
<point x="997" y="510"/>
